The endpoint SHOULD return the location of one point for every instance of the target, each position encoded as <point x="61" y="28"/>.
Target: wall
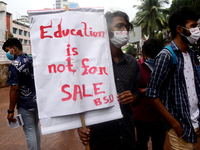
<point x="3" y="74"/>
<point x="2" y="26"/>
<point x="4" y="64"/>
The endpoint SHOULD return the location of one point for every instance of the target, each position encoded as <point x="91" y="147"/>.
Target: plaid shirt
<point x="173" y="93"/>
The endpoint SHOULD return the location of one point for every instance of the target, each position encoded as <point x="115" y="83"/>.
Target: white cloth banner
<point x="73" y="69"/>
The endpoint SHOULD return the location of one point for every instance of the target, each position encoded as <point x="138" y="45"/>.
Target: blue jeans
<point x="31" y="129"/>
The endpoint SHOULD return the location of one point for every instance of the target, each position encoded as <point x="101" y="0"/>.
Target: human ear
<point x="14" y="48"/>
<point x="179" y="29"/>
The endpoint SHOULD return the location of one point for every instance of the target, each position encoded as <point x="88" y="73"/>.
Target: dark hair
<point x="109" y="18"/>
<point x="180" y="17"/>
<point x="12" y="42"/>
<point x="152" y="47"/>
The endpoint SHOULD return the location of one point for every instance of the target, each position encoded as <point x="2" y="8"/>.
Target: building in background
<point x="21" y="31"/>
<point x="5" y="29"/>
<point x="8" y="27"/>
<point x="5" y="21"/>
<point x="17" y="28"/>
<point x="61" y="4"/>
<point x="24" y="19"/>
<point x="135" y="37"/>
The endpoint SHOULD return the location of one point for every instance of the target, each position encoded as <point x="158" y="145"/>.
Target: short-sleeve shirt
<point x="21" y="74"/>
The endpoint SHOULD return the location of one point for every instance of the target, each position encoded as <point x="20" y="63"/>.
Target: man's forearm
<point x="164" y="112"/>
<point x="14" y="93"/>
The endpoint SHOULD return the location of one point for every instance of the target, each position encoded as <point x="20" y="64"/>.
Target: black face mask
<point x="184" y="39"/>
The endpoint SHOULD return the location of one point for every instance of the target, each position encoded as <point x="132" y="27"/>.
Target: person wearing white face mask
<point x="120" y="38"/>
<point x="175" y="90"/>
<point x="118" y="134"/>
<point x="191" y="37"/>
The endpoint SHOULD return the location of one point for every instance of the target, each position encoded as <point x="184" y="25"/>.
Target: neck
<point x="18" y="53"/>
<point x="182" y="45"/>
<point x="115" y="52"/>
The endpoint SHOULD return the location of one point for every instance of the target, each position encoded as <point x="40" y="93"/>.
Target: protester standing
<point x="147" y="120"/>
<point x="174" y="90"/>
<point x="22" y="91"/>
<point x="118" y="134"/>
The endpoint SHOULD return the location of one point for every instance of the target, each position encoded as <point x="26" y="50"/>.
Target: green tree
<point x="159" y="36"/>
<point x="10" y="35"/>
<point x="151" y="17"/>
<point x="130" y="49"/>
<point x="193" y="4"/>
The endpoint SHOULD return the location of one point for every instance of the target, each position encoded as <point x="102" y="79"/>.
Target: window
<point x="20" y="32"/>
<point x="25" y="41"/>
<point x="29" y="34"/>
<point x="14" y="30"/>
<point x="25" y="33"/>
<point x="65" y="0"/>
<point x="21" y="40"/>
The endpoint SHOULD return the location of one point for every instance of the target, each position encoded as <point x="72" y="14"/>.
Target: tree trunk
<point x="151" y="33"/>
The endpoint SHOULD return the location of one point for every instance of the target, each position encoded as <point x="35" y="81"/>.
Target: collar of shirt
<point x="143" y="63"/>
<point x="122" y="59"/>
<point x="176" y="48"/>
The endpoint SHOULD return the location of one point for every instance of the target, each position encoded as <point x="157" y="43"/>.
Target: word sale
<point x="80" y="90"/>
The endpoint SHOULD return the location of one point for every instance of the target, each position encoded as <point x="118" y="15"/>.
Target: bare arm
<point x="142" y="91"/>
<point x="164" y="112"/>
<point x="14" y="93"/>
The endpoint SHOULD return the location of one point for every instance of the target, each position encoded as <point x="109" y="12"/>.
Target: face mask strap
<point x="184" y="27"/>
<point x="183" y="35"/>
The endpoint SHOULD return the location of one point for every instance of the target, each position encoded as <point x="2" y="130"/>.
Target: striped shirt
<point x="172" y="90"/>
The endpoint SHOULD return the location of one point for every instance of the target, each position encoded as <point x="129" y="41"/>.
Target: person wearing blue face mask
<point x="150" y="60"/>
<point x="22" y="91"/>
<point x="9" y="56"/>
<point x="147" y="121"/>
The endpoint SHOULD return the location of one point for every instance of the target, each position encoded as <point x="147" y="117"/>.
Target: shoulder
<point x="21" y="61"/>
<point x="130" y="59"/>
<point x="164" y="54"/>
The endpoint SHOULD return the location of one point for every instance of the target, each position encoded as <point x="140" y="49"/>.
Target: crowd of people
<point x="157" y="93"/>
